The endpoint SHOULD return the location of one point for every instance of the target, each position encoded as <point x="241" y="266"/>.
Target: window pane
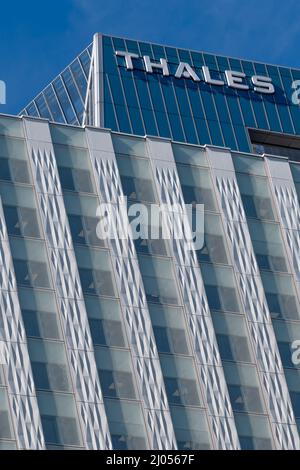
<point x="136" y="178"/>
<point x="256" y="196"/>
<point x="126" y="425"/>
<point x="159" y="282"/>
<point x="254" y="432"/>
<point x="280" y="295"/>
<point x="39" y="313"/>
<point x="49" y="365"/>
<point x="243" y="387"/>
<point x="169" y="329"/>
<point x="59" y="418"/>
<point x="191" y="428"/>
<point x="115" y="373"/>
<point x="5" y="425"/>
<point x="105" y="321"/>
<point x="180" y="380"/>
<point x="232" y="337"/>
<point x="220" y="288"/>
<point x="267" y="244"/>
<point x="196" y="186"/>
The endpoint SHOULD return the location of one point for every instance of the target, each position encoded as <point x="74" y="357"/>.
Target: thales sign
<point x="260" y="83"/>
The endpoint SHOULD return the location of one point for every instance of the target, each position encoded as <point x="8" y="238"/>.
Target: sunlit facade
<point x="147" y="344"/>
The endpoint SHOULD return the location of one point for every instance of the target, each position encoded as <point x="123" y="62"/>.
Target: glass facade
<point x="235" y="326"/>
<point x="134" y="101"/>
<point x="123" y="343"/>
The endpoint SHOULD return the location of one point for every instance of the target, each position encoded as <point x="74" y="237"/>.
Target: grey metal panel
<point x="200" y="323"/>
<point x="133" y="300"/>
<point x="16" y="362"/>
<point x="253" y="300"/>
<point x="68" y="288"/>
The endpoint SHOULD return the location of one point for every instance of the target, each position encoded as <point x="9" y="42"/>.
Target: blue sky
<point x="39" y="38"/>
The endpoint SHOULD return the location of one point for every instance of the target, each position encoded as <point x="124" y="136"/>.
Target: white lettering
<point x="208" y="79"/>
<point x="186" y="71"/>
<point x="161" y="65"/>
<point x="235" y="80"/>
<point x="263" y="84"/>
<point x="128" y="58"/>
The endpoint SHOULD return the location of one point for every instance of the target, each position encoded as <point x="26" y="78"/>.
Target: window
<point x="115" y="373"/>
<point x="254" y="432"/>
<point x="96" y="281"/>
<point x="251" y="165"/>
<point x="293" y="381"/>
<point x="74" y="137"/>
<point x="256" y="196"/>
<point x="5" y="425"/>
<point x="14" y="170"/>
<point x="73" y="167"/>
<point x="29" y="258"/>
<point x="95" y="271"/>
<point x="232" y="337"/>
<point x="13" y="164"/>
<point x="220" y="288"/>
<point x="126" y="425"/>
<point x="83" y="220"/>
<point x="31" y="273"/>
<point x="21" y="221"/>
<point x="214" y="250"/>
<point x="286" y="333"/>
<point x="11" y="127"/>
<point x="267" y="244"/>
<point x="105" y="321"/>
<point x="169" y="329"/>
<point x="59" y="418"/>
<point x="189" y="155"/>
<point x="83" y="230"/>
<point x="39" y="314"/>
<point x="180" y="380"/>
<point x="191" y="429"/>
<point x="280" y="295"/>
<point x="7" y="445"/>
<point x="196" y="186"/>
<point x="158" y="278"/>
<point x="136" y="178"/>
<point x="243" y="388"/>
<point x="49" y="365"/>
<point x="75" y="179"/>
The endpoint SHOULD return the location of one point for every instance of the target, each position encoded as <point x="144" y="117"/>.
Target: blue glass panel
<point x="53" y="105"/>
<point x="259" y="111"/>
<point x="145" y="102"/>
<point x="79" y="78"/>
<point x="246" y="108"/>
<point x="85" y="61"/>
<point x="42" y="107"/>
<point x="294" y="110"/>
<point x="216" y="137"/>
<point x="132" y="103"/>
<point x="241" y="137"/>
<point x="64" y="101"/>
<point x="202" y="130"/>
<point x="73" y="92"/>
<point x="31" y="110"/>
